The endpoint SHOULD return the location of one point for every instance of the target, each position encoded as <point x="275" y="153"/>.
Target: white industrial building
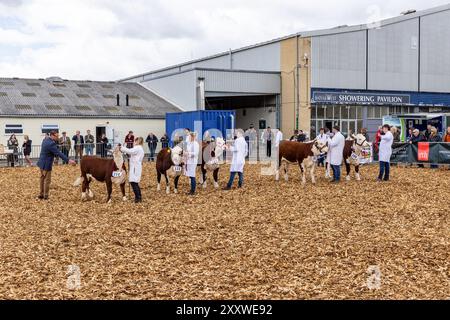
<point x="34" y="107"/>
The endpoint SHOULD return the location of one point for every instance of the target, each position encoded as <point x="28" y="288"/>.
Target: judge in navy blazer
<point x="49" y="150"/>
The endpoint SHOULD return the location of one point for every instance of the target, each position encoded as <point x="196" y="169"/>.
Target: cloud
<point x="112" y="39"/>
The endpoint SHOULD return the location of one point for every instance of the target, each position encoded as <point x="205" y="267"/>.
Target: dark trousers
<point x="193" y="184"/>
<point x="385" y="169"/>
<point x="137" y="191"/>
<point x="232" y="176"/>
<point x="269" y="149"/>
<point x="65" y="152"/>
<point x="336" y="172"/>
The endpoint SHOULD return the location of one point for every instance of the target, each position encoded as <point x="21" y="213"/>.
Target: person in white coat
<point x="336" y="150"/>
<point x="191" y="153"/>
<point x="239" y="150"/>
<point x="278" y="138"/>
<point x="323" y="138"/>
<point x="387" y="139"/>
<point x="136" y="157"/>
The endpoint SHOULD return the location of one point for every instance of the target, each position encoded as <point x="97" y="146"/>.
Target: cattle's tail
<point x="80" y="180"/>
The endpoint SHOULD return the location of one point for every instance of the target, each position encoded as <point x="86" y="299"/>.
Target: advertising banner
<point x="432" y="153"/>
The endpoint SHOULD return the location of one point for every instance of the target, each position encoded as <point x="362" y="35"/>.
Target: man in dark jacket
<point x="152" y="142"/>
<point x="49" y="151"/>
<point x="78" y="143"/>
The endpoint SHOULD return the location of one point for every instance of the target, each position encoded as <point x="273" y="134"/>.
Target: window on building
<point x="109" y="96"/>
<point x="33" y="84"/>
<point x="337" y="112"/>
<point x="107" y="86"/>
<point x="320" y="112"/>
<point x="329" y="112"/>
<point x="59" y="85"/>
<point x="141" y="109"/>
<point x="28" y="94"/>
<point x="53" y="107"/>
<point x="83" y="108"/>
<point x="56" y="95"/>
<point x="3" y="94"/>
<point x="111" y="109"/>
<point x="47" y="128"/>
<point x="13" y="129"/>
<point x="134" y="97"/>
<point x="6" y="83"/>
<point x="23" y="107"/>
<point x="82" y="85"/>
<point x="83" y="95"/>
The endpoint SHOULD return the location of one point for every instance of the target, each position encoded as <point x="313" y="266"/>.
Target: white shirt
<point x="386" y="147"/>
<point x="337" y="145"/>
<point x="192" y="152"/>
<point x="322" y="138"/>
<point x="137" y="156"/>
<point x="239" y="151"/>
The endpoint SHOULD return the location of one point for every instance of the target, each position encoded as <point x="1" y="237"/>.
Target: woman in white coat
<point x="387" y="139"/>
<point x="136" y="157"/>
<point x="191" y="153"/>
<point x="239" y="151"/>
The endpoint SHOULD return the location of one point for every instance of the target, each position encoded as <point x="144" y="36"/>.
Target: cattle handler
<point x="49" y="150"/>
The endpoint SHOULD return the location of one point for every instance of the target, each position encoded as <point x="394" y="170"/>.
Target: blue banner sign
<point x="360" y="98"/>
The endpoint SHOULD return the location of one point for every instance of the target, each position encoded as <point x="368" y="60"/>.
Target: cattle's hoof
<point x="175" y="191"/>
<point x="124" y="199"/>
<point x="204" y="185"/>
<point x="168" y="190"/>
<point x="158" y="188"/>
<point x="348" y="178"/>
<point x="358" y="177"/>
<point x="83" y="197"/>
<point x="216" y="185"/>
<point x="286" y="178"/>
<point x="110" y="201"/>
<point x="91" y="194"/>
<point x="277" y="176"/>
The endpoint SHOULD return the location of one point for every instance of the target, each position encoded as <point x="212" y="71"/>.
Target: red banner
<point x="424" y="152"/>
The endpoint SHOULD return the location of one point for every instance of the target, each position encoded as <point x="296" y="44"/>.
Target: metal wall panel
<point x="265" y="58"/>
<point x="435" y="52"/>
<point x="339" y="61"/>
<point x="394" y="57"/>
<point x="244" y="82"/>
<point x="179" y="89"/>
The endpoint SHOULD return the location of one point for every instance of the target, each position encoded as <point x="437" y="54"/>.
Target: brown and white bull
<point x="108" y="171"/>
<point x="303" y="154"/>
<point x="212" y="156"/>
<point x="352" y="153"/>
<point x="169" y="163"/>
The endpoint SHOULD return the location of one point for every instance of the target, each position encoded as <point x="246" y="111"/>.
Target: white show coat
<point x="322" y="138"/>
<point x="278" y="138"/>
<point x="386" y="147"/>
<point x="192" y="151"/>
<point x="337" y="145"/>
<point x="240" y="151"/>
<point x="137" y="155"/>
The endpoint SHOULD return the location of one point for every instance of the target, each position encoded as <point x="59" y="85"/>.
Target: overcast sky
<point x="113" y="39"/>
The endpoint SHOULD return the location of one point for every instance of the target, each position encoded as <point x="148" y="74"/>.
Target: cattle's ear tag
<point x="168" y="150"/>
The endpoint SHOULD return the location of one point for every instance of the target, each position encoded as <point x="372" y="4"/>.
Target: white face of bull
<point x="360" y="141"/>
<point x="220" y="146"/>
<point x="319" y="147"/>
<point x="118" y="157"/>
<point x="177" y="155"/>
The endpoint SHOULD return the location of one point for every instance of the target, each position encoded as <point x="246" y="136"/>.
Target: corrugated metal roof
<point x="78" y="99"/>
<point x="306" y="34"/>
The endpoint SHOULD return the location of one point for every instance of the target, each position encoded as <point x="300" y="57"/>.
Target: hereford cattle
<point x="102" y="170"/>
<point x="212" y="155"/>
<point x="352" y="153"/>
<point x="303" y="154"/>
<point x="169" y="163"/>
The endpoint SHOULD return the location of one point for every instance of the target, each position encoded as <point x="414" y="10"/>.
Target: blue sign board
<point x="361" y="98"/>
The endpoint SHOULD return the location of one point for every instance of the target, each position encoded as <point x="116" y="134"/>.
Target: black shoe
<point x="226" y="189"/>
<point x="40" y="197"/>
<point x="190" y="193"/>
<point x="138" y="201"/>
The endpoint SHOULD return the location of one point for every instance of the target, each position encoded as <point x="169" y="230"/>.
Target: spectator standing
<point x="13" y="144"/>
<point x="434" y="135"/>
<point x="323" y="138"/>
<point x="129" y="140"/>
<point x="26" y="148"/>
<point x="49" y="150"/>
<point x="267" y="138"/>
<point x="395" y="133"/>
<point x="164" y="141"/>
<point x="447" y="136"/>
<point x="252" y="137"/>
<point x="302" y="136"/>
<point x="65" y="145"/>
<point x="295" y="136"/>
<point x="416" y="137"/>
<point x="89" y="141"/>
<point x="427" y="132"/>
<point x="104" y="146"/>
<point x="78" y="145"/>
<point x="136" y="157"/>
<point x="386" y="141"/>
<point x="152" y="142"/>
<point x="278" y="139"/>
